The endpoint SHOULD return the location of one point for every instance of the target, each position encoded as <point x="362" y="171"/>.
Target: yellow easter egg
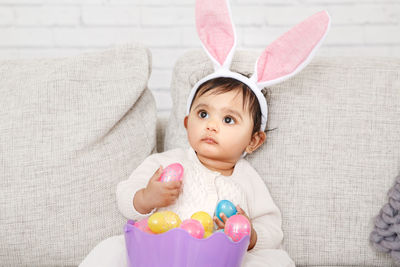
<point x="205" y="219"/>
<point x="207" y="234"/>
<point x="172" y="219"/>
<point x="163" y="221"/>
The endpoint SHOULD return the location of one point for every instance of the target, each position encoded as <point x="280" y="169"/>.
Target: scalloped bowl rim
<point x="131" y="227"/>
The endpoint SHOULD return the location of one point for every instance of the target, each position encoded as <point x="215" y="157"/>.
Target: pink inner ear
<point x="285" y="54"/>
<point x="215" y="28"/>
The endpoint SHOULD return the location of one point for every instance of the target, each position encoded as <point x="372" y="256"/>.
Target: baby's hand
<point x="161" y="194"/>
<point x="253" y="233"/>
<point x="221" y="225"/>
<point x="242" y="212"/>
<point x="156" y="194"/>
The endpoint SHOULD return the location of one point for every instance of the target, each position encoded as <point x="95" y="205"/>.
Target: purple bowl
<point x="176" y="248"/>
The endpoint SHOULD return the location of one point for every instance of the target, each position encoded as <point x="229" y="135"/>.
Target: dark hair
<point x="222" y="85"/>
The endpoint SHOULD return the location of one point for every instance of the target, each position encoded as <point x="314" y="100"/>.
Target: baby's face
<point x="218" y="127"/>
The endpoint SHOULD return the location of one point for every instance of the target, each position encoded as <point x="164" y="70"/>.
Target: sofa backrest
<point x="332" y="150"/>
<point x="70" y="130"/>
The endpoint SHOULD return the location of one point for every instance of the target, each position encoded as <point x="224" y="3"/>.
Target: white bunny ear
<point x="216" y="31"/>
<point x="291" y="52"/>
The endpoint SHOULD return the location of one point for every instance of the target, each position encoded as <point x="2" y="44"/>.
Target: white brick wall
<point x="36" y="28"/>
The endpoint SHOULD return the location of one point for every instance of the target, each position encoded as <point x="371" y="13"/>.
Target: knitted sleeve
<point x="127" y="189"/>
<point x="264" y="214"/>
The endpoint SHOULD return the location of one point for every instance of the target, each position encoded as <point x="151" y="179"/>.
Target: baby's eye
<point x="229" y="120"/>
<point x="203" y="114"/>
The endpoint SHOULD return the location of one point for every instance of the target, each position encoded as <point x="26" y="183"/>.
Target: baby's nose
<point x="212" y="125"/>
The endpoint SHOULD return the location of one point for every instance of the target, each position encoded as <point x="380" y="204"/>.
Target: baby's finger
<point x="223" y="217"/>
<point x="239" y="210"/>
<point x="157" y="174"/>
<point x="173" y="184"/>
<point x="242" y="212"/>
<point x="220" y="224"/>
<point x="175" y="194"/>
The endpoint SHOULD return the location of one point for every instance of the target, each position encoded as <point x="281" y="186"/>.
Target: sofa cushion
<point x="332" y="150"/>
<point x="70" y="130"/>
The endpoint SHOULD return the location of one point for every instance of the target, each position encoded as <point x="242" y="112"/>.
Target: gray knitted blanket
<point x="385" y="235"/>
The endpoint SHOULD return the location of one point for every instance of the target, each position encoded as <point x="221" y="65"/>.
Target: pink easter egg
<point x="193" y="227"/>
<point x="143" y="225"/>
<point x="173" y="172"/>
<point x="237" y="226"/>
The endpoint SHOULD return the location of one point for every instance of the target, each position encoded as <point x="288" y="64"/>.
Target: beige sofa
<point x="72" y="128"/>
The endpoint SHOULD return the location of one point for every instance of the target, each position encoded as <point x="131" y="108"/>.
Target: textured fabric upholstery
<point x="70" y="130"/>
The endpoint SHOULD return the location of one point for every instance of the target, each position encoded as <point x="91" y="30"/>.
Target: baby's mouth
<point x="209" y="140"/>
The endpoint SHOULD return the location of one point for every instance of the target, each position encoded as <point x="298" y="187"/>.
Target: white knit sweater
<point x="203" y="188"/>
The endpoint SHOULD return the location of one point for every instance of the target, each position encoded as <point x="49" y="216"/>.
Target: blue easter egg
<point x="226" y="207"/>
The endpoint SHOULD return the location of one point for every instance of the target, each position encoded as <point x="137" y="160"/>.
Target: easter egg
<point x="163" y="221"/>
<point x="205" y="219"/>
<point x="143" y="225"/>
<point x="193" y="227"/>
<point x="207" y="234"/>
<point x="173" y="172"/>
<point x="237" y="226"/>
<point x="226" y="207"/>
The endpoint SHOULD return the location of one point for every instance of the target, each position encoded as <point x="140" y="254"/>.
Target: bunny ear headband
<point x="282" y="59"/>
